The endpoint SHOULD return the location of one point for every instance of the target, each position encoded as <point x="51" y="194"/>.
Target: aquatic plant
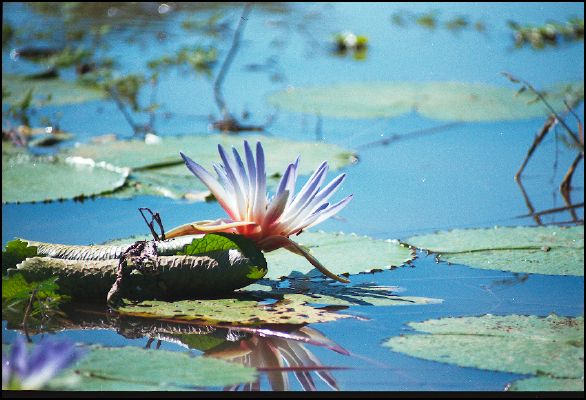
<point x="549" y="34"/>
<point x="269" y="223"/>
<point x="31" y="371"/>
<point x="349" y="42"/>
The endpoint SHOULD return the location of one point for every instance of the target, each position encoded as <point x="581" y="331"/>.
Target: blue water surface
<point x="461" y="177"/>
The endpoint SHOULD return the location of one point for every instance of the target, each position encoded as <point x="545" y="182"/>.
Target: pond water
<point x="459" y="177"/>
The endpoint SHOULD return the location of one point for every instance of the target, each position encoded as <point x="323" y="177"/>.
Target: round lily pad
<point x="131" y="368"/>
<point x="26" y="178"/>
<point x="551" y="346"/>
<point x="453" y="101"/>
<point x="158" y="169"/>
<point x="49" y="91"/>
<point x="550" y="250"/>
<point x="340" y="253"/>
<point x="546" y="384"/>
<point x="241" y="311"/>
<point x="203" y="149"/>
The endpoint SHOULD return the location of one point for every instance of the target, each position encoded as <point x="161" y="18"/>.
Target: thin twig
<point x="409" y="135"/>
<point x="152" y="113"/>
<point x="549" y="107"/>
<point x="123" y="110"/>
<point x="27" y="314"/>
<point x="220" y="102"/>
<point x="538" y="139"/>
<point x="553" y="210"/>
<point x="566" y="185"/>
<point x="528" y="204"/>
<point x="155" y="217"/>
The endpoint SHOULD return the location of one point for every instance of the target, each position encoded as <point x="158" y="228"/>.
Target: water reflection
<point x="276" y="351"/>
<point x="278" y="357"/>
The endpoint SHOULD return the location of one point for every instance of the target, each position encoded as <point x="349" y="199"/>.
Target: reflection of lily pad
<point x="340" y="253"/>
<point x="233" y="310"/>
<point x="49" y="91"/>
<point x="454" y="101"/>
<point x="335" y="294"/>
<point x="552" y="346"/>
<point x="26" y="178"/>
<point x="203" y="149"/>
<point x="131" y="368"/>
<point x="548" y="250"/>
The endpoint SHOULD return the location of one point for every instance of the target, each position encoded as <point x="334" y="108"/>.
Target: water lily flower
<point x="241" y="191"/>
<point x="32" y="371"/>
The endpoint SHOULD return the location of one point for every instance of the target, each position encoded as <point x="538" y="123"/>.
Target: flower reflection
<point x="277" y="357"/>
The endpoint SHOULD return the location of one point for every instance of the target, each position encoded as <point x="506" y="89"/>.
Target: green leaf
<point x="29" y="179"/>
<point x="546" y="384"/>
<point x="221" y="242"/>
<point x="334" y="294"/>
<point x="453" y="101"/>
<point x="131" y="368"/>
<point x="547" y="250"/>
<point x="340" y="253"/>
<point x="217" y="242"/>
<point x="49" y="91"/>
<point x="237" y="310"/>
<point x="15" y="252"/>
<point x="15" y="288"/>
<point x="518" y="344"/>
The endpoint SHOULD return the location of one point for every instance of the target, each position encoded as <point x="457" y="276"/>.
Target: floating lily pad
<point x="547" y="250"/>
<point x="340" y="253"/>
<point x="131" y="368"/>
<point x="26" y="178"/>
<point x="552" y="346"/>
<point x="453" y="101"/>
<point x="546" y="384"/>
<point x="241" y="311"/>
<point x="159" y="170"/>
<point x="334" y="294"/>
<point x="49" y="91"/>
<point x="203" y="149"/>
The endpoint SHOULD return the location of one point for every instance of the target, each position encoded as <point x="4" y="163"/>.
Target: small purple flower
<point x="31" y="371"/>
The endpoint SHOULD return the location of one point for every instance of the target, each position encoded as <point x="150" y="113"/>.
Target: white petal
<point x="212" y="184"/>
<point x="331" y="211"/>
<point x="260" y="199"/>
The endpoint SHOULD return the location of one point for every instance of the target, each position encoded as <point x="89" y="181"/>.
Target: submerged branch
<point x="541" y="97"/>
<point x="409" y="135"/>
<point x="220" y="102"/>
<point x="553" y="210"/>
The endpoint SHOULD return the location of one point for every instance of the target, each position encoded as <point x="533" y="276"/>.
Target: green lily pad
<point x="28" y="179"/>
<point x="49" y="91"/>
<point x="453" y="101"/>
<point x="203" y="149"/>
<point x="547" y="250"/>
<point x="546" y="384"/>
<point x="334" y="294"/>
<point x="241" y="311"/>
<point x="159" y="170"/>
<point x="552" y="346"/>
<point x="340" y="253"/>
<point x="131" y="368"/>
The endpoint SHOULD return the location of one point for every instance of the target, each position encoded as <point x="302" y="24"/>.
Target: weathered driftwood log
<point x="88" y="272"/>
